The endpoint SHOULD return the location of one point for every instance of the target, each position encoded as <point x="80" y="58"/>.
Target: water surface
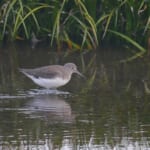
<point x="107" y="110"/>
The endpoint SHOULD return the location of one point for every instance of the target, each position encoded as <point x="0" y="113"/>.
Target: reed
<point x="79" y="24"/>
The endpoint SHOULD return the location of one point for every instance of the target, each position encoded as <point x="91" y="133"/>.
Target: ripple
<point x="32" y="93"/>
<point x="7" y="96"/>
<point x="46" y="91"/>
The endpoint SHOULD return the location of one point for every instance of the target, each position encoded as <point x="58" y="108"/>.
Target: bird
<point x="52" y="76"/>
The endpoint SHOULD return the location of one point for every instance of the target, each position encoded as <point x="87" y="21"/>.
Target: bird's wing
<point x="45" y="73"/>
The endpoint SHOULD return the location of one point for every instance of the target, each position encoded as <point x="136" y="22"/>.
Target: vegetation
<point x="78" y="23"/>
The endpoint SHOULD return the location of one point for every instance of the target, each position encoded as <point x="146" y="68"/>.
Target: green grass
<point x="78" y="24"/>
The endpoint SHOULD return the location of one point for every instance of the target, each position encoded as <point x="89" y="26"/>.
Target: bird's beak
<point x="80" y="74"/>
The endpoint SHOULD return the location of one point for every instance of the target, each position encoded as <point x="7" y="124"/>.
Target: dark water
<point x="110" y="109"/>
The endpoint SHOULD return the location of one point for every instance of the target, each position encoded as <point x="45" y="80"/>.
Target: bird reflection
<point x="53" y="108"/>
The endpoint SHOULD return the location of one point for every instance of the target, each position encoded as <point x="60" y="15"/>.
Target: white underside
<point x="48" y="83"/>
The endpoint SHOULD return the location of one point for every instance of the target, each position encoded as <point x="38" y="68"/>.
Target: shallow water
<point x="107" y="110"/>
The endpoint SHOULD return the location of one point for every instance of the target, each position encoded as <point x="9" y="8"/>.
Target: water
<point x="109" y="110"/>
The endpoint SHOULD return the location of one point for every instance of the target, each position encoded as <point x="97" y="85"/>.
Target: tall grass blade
<point x="102" y="18"/>
<point x="147" y="27"/>
<point x="86" y="33"/>
<point x="90" y="20"/>
<point x="30" y="13"/>
<point x="6" y="23"/>
<point x="108" y="23"/>
<point x="128" y="39"/>
<point x="56" y="27"/>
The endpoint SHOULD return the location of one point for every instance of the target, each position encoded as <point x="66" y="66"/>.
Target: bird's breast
<point x="50" y="83"/>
